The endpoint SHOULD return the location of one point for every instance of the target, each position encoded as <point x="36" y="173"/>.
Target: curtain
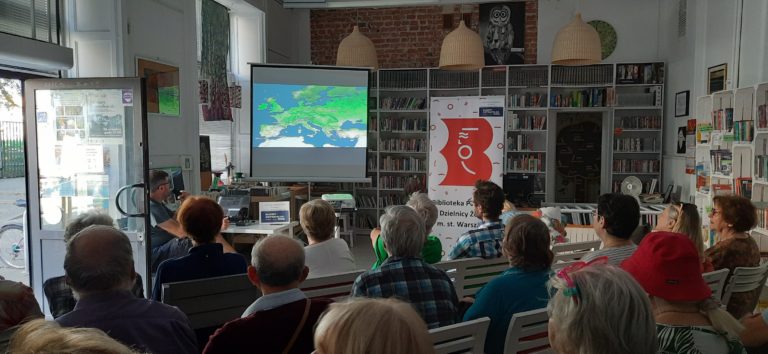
<point x="213" y="59"/>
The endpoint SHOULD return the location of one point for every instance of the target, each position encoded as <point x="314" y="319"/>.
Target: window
<point x="35" y="19"/>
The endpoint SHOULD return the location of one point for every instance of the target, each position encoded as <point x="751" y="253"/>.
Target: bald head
<point x="99" y="258"/>
<point x="278" y="260"/>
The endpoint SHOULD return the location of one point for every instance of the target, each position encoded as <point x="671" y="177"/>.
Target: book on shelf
<point x="522" y="76"/>
<point x="521" y="142"/>
<point x="722" y="161"/>
<point x="403" y="103"/>
<point x="404" y="164"/>
<point x="634" y="144"/>
<point x="722" y="119"/>
<point x="533" y="162"/>
<point x="722" y="189"/>
<point x="762" y="117"/>
<point x="640" y="122"/>
<point x="702" y="176"/>
<point x="399" y="182"/>
<point x="761" y="166"/>
<point x="744" y="187"/>
<point x="641" y="73"/>
<point x="703" y="133"/>
<point x="404" y="145"/>
<point x="743" y="131"/>
<point x="636" y="166"/>
<point x="397" y="124"/>
<point x="592" y="97"/>
<point x="528" y="122"/>
<point x="582" y="75"/>
<point x="762" y="214"/>
<point x="527" y="99"/>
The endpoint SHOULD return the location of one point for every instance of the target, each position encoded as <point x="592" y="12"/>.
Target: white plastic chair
<point x="573" y="251"/>
<point x="336" y="287"/>
<point x="464" y="337"/>
<point x="528" y="332"/>
<point x="745" y="279"/>
<point x="716" y="281"/>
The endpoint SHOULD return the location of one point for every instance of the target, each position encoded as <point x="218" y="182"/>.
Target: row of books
<point x="762" y="215"/>
<point x="404" y="145"/>
<point x="365" y="221"/>
<point x="594" y="97"/>
<point x="403" y="124"/>
<point x="634" y="144"/>
<point x="528" y="122"/>
<point x="403" y="79"/>
<point x="744" y="187"/>
<point x="528" y="77"/>
<point x="453" y="79"/>
<point x="403" y="103"/>
<point x="722" y="119"/>
<point x="392" y="163"/>
<point x="702" y="176"/>
<point x="722" y="189"/>
<point x="582" y="75"/>
<point x="371" y="164"/>
<point x="743" y="131"/>
<point x="528" y="99"/>
<point x="391" y="199"/>
<point x="527" y="162"/>
<point x="762" y="116"/>
<point x="365" y="200"/>
<point x="761" y="167"/>
<point x="722" y="161"/>
<point x="636" y="166"/>
<point x="397" y="182"/>
<point x="639" y="122"/>
<point x="521" y="142"/>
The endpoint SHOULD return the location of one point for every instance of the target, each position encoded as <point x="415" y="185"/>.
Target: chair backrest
<point x="464" y="337"/>
<point x="336" y="287"/>
<point x="479" y="272"/>
<point x="211" y="301"/>
<point x="455" y="270"/>
<point x="716" y="281"/>
<point x="527" y="332"/>
<point x="573" y="251"/>
<point x="745" y="279"/>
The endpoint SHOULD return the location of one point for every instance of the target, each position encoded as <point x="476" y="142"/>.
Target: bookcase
<point x="536" y="95"/>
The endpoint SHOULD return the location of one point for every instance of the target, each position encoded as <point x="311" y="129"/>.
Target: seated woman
<point x="522" y="287"/>
<point x="41" y="336"/>
<point x="372" y="326"/>
<point x="17" y="306"/>
<point x="731" y="218"/>
<point x="668" y="267"/>
<point x="683" y="218"/>
<point x="433" y="249"/>
<point x="599" y="308"/>
<point x="61" y="300"/>
<point x="325" y="255"/>
<point x="200" y="218"/>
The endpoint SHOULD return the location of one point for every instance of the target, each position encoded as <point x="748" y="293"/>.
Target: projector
<point x="340" y="201"/>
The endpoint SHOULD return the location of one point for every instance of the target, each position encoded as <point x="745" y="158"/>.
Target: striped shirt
<point x="615" y="255"/>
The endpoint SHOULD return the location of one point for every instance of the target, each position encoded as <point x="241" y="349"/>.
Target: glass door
<point x="86" y="153"/>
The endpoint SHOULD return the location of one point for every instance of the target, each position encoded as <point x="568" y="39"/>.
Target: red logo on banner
<point x="468" y="138"/>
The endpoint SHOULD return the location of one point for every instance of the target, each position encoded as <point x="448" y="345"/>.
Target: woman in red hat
<point x="684" y="218"/>
<point x="668" y="267"/>
<point x="731" y="218"/>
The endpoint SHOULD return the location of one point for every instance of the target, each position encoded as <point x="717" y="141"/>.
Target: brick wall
<point x="405" y="37"/>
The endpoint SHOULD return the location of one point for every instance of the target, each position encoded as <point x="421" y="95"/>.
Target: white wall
<point x="753" y="56"/>
<point x="288" y="39"/>
<point x="636" y="23"/>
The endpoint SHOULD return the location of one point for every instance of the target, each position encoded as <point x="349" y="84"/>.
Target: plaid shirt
<point x="427" y="288"/>
<point x="483" y="242"/>
<point x="61" y="300"/>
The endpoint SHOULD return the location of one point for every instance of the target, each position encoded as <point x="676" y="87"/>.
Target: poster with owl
<point x="502" y="29"/>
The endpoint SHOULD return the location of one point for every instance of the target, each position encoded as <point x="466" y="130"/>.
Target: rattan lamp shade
<point x="576" y="44"/>
<point x="357" y="50"/>
<point x="462" y="50"/>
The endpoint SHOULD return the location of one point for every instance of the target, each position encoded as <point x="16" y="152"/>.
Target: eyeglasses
<point x="714" y="212"/>
<point x="573" y="290"/>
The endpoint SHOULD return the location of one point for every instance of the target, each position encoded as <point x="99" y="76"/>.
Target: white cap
<point x="551" y="212"/>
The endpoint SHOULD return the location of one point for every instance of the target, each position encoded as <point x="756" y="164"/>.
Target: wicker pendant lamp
<point x="357" y="50"/>
<point x="576" y="44"/>
<point x="462" y="50"/>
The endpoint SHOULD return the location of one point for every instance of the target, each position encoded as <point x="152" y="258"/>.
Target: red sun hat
<point x="667" y="265"/>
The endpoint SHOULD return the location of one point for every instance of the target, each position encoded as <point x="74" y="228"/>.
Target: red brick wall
<point x="405" y="37"/>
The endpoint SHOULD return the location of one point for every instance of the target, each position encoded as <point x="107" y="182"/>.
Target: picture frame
<point x="682" y="100"/>
<point x="717" y="77"/>
<point x="162" y="85"/>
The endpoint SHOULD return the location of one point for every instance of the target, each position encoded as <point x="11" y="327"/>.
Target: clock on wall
<point x="608" y="37"/>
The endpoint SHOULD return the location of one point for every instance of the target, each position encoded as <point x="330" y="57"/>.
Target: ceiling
<point x="328" y="4"/>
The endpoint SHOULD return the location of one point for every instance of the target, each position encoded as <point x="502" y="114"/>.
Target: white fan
<point x="632" y="186"/>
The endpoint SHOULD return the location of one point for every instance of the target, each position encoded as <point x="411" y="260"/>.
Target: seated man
<point x="99" y="267"/>
<point x="17" y="307"/>
<point x="485" y="241"/>
<point x="167" y="238"/>
<point x="57" y="291"/>
<point x="614" y="221"/>
<point x="404" y="275"/>
<point x="282" y="320"/>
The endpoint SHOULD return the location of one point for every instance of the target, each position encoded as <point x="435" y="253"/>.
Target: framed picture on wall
<point x="681" y="103"/>
<point x="162" y="82"/>
<point x="716" y="78"/>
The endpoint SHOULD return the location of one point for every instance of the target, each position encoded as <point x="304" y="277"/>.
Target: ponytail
<point x="721" y="320"/>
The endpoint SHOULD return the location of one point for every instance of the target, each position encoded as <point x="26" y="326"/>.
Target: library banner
<point x="466" y="143"/>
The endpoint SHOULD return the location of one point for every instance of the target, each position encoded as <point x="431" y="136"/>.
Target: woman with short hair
<point x="372" y="326"/>
<point x="325" y="255"/>
<point x="520" y="288"/>
<point x="41" y="336"/>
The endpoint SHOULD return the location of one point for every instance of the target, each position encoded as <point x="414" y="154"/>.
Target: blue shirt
<point x="513" y="291"/>
<point x="203" y="261"/>
<point x="412" y="280"/>
<point x="483" y="242"/>
<point x="145" y="325"/>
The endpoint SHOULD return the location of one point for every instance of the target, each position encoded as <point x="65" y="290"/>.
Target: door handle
<point x="117" y="200"/>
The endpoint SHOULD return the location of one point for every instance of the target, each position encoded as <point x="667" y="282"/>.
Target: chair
<point x="527" y="333"/>
<point x="716" y="281"/>
<point x="464" y="337"/>
<point x="573" y="251"/>
<point x="211" y="302"/>
<point x="336" y="287"/>
<point x="455" y="269"/>
<point x="745" y="279"/>
<point x="479" y="272"/>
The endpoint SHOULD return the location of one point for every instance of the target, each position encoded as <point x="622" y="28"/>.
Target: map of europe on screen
<point x="309" y="116"/>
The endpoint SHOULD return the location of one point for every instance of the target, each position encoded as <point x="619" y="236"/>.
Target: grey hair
<point x="278" y="268"/>
<point x="91" y="217"/>
<point x="109" y="270"/>
<point x="403" y="231"/>
<point x="610" y="313"/>
<point x="425" y="207"/>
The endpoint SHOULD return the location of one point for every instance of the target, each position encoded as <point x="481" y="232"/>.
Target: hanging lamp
<point x="357" y="50"/>
<point x="462" y="50"/>
<point x="577" y="43"/>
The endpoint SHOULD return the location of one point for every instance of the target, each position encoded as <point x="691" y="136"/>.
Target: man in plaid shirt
<point x="404" y="275"/>
<point x="485" y="241"/>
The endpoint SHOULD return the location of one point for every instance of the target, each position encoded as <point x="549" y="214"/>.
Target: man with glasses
<point x="167" y="238"/>
<point x="616" y="217"/>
